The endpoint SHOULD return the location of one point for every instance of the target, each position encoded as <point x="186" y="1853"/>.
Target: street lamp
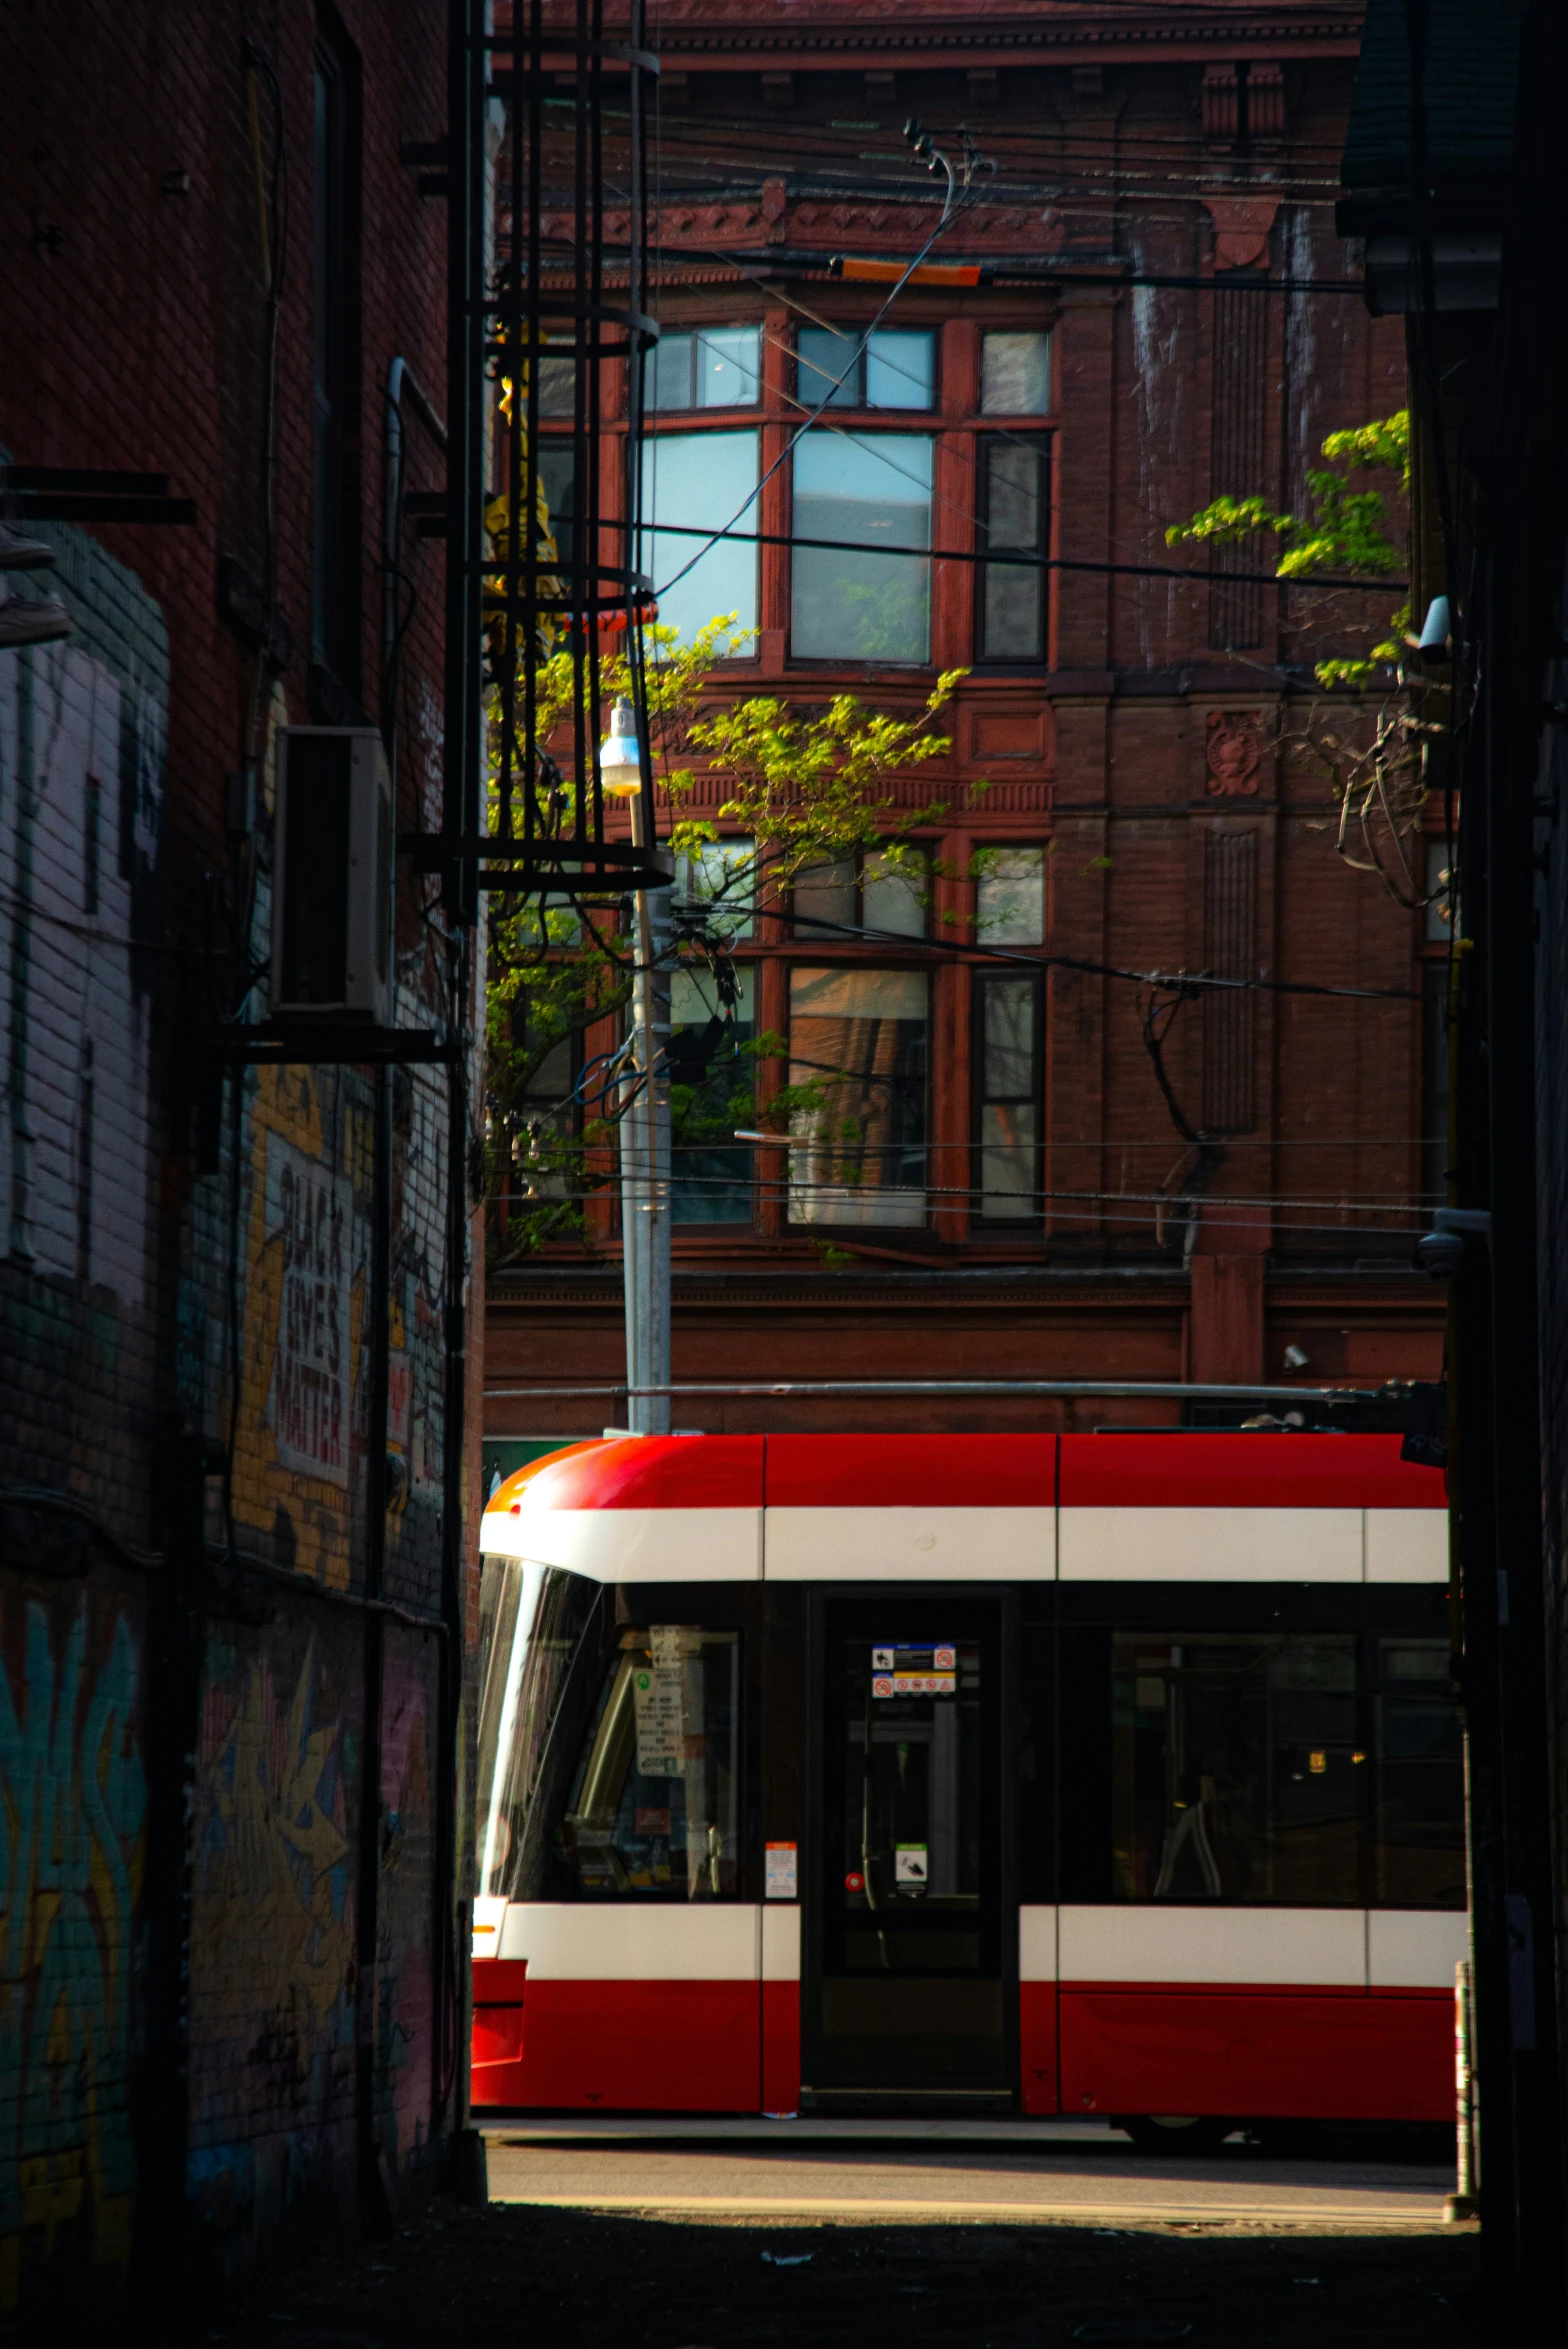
<point x="620" y="759"/>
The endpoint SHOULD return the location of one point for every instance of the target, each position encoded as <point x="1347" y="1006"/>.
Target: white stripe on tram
<point x="900" y="1544"/>
<point x="736" y="1941"/>
<point x="910" y="1545"/>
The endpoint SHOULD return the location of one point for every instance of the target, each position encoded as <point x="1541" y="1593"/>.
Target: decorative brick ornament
<point x="1235" y="748"/>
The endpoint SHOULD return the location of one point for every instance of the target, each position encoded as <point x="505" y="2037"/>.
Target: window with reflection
<point x="693" y="483"/>
<point x="1015" y="373"/>
<point x="708" y="367"/>
<point x="894" y="367"/>
<point x="1014" y="482"/>
<point x="1418" y="1859"/>
<point x="877" y="890"/>
<point x="1007" y="1107"/>
<point x="913" y="1789"/>
<point x="852" y="601"/>
<point x="1010" y="897"/>
<point x="720" y="880"/>
<point x="712" y="1091"/>
<point x="557" y="475"/>
<point x="1305" y="1768"/>
<point x="858" y="1077"/>
<point x="1235" y="1772"/>
<point x="538" y="1629"/>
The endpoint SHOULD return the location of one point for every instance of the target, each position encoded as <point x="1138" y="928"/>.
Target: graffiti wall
<point x="73" y="1802"/>
<point x="273" y="1992"/>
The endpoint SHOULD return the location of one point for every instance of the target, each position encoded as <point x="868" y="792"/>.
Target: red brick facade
<point x="1150" y="169"/>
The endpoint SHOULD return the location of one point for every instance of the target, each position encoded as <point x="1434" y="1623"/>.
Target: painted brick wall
<point x="138" y="1291"/>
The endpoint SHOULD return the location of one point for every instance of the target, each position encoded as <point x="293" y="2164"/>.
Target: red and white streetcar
<point x="1100" y="1774"/>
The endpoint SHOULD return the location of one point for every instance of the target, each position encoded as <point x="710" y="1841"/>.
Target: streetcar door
<point x="910" y="1965"/>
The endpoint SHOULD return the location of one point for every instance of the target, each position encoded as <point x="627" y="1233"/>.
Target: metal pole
<point x="1462" y="2203"/>
<point x="645" y="1160"/>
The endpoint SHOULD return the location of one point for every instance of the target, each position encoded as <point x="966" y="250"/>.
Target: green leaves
<point x="1347" y="529"/>
<point x="804" y="790"/>
<point x="811" y="789"/>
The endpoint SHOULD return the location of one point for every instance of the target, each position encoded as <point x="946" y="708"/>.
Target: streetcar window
<point x="1418" y="1831"/>
<point x="654" y="1805"/>
<point x="1235" y="1767"/>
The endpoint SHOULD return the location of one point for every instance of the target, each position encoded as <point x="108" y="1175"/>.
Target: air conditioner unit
<point x="332" y="874"/>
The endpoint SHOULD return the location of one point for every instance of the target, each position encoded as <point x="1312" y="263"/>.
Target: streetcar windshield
<point x="534" y="1627"/>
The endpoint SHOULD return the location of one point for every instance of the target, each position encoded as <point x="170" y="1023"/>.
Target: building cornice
<point x="723" y="34"/>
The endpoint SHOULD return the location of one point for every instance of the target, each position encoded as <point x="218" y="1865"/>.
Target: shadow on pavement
<point x="564" y="2279"/>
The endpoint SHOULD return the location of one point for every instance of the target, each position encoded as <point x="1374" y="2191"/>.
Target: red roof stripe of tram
<point x="1244" y="1471"/>
<point x="1157" y="1470"/>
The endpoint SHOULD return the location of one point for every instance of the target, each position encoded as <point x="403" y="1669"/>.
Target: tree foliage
<point x="1347" y="528"/>
<point x="801" y="789"/>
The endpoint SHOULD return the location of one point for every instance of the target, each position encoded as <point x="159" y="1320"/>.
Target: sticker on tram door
<point x="909" y="1864"/>
<point x="779" y="1881"/>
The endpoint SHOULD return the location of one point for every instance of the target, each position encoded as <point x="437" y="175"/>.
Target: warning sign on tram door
<point x="909" y="1866"/>
<point x="779" y="1881"/>
<point x="919" y="1670"/>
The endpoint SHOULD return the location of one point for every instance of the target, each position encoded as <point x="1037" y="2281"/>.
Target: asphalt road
<point x="536" y="2275"/>
<point x="1090" y="2177"/>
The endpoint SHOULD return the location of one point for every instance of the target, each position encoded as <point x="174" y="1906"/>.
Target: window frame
<point x="926" y="428"/>
<point x="1034" y="416"/>
<point x="1008" y="1226"/>
<point x="696" y="334"/>
<point x="733" y="422"/>
<point x="803" y="929"/>
<point x="857" y="967"/>
<point x="1082" y="1622"/>
<point x="1001" y="848"/>
<point x="744" y="1154"/>
<point x="862" y="332"/>
<point x="1040" y="442"/>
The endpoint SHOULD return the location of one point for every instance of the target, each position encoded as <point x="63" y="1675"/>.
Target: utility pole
<point x="645" y="1148"/>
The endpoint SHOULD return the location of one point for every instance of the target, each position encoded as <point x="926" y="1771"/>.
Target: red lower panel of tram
<point x="1299" y="2054"/>
<point x="1037" y="2046"/>
<point x="620" y="2046"/>
<point x="717" y="2047"/>
<point x="780" y="2046"/>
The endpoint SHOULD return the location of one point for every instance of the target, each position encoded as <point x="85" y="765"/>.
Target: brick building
<point x="214" y="266"/>
<point x="1033" y="1164"/>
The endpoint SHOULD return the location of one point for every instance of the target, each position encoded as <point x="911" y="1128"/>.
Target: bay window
<point x="858" y="1071"/>
<point x="873" y="490"/>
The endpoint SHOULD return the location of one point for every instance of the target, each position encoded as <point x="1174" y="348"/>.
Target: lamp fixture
<point x="620" y="759"/>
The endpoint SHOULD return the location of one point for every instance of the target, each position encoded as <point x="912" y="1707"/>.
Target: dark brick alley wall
<point x="154" y="168"/>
